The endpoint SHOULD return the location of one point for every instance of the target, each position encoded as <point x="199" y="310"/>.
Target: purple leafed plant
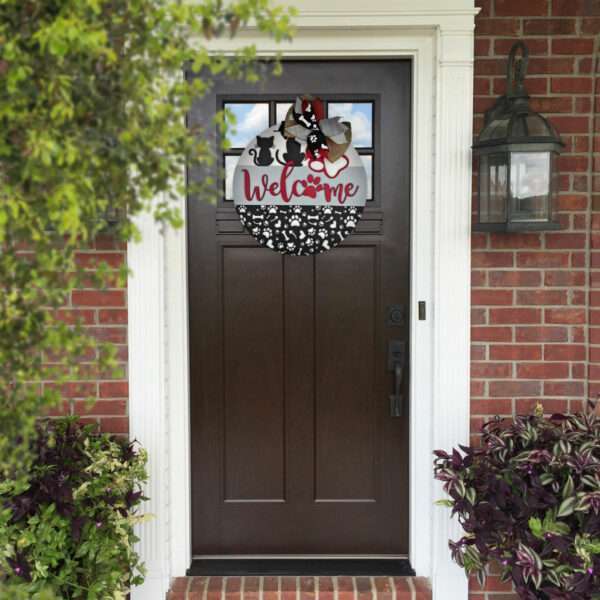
<point x="529" y="498"/>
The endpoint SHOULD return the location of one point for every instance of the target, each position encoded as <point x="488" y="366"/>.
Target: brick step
<point x="300" y="588"/>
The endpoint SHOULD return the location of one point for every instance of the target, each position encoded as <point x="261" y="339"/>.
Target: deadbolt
<point x="395" y="315"/>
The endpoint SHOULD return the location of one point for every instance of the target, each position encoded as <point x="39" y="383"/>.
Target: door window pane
<point x="230" y="163"/>
<point x="251" y="118"/>
<point x="360" y="115"/>
<point x="367" y="161"/>
<point x="281" y="109"/>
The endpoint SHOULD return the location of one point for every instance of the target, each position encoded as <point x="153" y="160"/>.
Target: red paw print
<point x="310" y="191"/>
<point x="312" y="187"/>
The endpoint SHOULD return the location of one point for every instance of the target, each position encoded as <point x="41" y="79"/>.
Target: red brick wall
<point x="104" y="313"/>
<point x="536" y="314"/>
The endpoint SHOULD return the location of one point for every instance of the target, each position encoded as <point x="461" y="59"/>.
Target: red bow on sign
<point x="326" y="139"/>
<point x="313" y="106"/>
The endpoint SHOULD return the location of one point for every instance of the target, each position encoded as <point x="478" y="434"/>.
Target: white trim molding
<point x="147" y="396"/>
<point x="452" y="283"/>
<point x="437" y="35"/>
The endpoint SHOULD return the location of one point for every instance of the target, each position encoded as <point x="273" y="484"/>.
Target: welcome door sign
<point x="300" y="187"/>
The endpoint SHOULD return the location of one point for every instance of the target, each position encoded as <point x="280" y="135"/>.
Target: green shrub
<point x="68" y="527"/>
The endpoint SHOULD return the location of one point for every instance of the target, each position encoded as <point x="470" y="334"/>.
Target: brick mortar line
<point x="590" y="209"/>
<point x="411" y="585"/>
<point x="393" y="587"/>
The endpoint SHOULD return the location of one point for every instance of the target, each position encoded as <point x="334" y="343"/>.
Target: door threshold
<point x="237" y="567"/>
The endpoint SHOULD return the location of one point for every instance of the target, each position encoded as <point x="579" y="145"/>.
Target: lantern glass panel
<point x="530" y="186"/>
<point x="496" y="129"/>
<point x="493" y="169"/>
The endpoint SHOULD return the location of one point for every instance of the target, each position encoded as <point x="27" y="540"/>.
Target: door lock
<point x="394" y="315"/>
<point x="396" y="356"/>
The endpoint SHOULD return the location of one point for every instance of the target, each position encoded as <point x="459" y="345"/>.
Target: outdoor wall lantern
<point x="517" y="152"/>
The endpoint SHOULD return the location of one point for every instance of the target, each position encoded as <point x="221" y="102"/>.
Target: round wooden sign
<point x="300" y="187"/>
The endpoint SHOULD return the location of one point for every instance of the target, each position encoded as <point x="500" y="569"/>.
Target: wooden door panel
<point x="294" y="450"/>
<point x="345" y="423"/>
<point x="253" y="375"/>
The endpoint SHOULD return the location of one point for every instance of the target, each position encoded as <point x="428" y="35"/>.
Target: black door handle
<point x="396" y="399"/>
<point x="396" y="351"/>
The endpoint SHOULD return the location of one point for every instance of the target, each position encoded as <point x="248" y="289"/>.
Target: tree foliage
<point x="92" y="124"/>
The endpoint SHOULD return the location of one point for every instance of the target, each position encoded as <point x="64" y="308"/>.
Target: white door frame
<point x="438" y="36"/>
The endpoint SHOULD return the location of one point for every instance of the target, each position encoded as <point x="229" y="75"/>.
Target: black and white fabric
<point x="299" y="230"/>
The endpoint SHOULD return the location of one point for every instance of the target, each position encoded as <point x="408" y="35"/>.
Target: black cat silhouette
<point x="263" y="157"/>
<point x="292" y="154"/>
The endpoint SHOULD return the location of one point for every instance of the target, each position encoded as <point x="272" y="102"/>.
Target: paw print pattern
<point x="300" y="231"/>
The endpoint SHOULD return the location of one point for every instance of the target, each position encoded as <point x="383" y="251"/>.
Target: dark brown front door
<point x="294" y="448"/>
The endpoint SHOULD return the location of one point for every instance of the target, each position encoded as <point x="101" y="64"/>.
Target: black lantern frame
<point x="517" y="152"/>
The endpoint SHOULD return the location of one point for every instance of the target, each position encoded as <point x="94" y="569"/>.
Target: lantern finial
<point x="516" y="71"/>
